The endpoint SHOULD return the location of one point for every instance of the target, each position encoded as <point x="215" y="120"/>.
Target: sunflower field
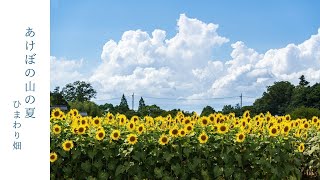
<point x="183" y="147"/>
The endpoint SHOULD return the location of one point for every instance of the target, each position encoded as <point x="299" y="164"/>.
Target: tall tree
<point x="276" y="99"/>
<point x="123" y="106"/>
<point x="78" y="91"/>
<point x="142" y="105"/>
<point x="303" y="81"/>
<point x="206" y="111"/>
<point x="56" y="97"/>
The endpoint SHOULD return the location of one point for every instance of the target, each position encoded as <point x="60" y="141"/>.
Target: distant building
<point x="82" y="113"/>
<point x="61" y="107"/>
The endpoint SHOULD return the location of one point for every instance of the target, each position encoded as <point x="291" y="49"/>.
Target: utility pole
<point x="241" y="101"/>
<point x="132" y="101"/>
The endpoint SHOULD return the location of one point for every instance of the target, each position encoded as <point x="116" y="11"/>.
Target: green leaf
<point x="239" y="159"/>
<point x="98" y="164"/>
<point x="103" y="175"/>
<point x="158" y="172"/>
<point x="205" y="175"/>
<point x="176" y="169"/>
<point x="186" y="152"/>
<point x="92" y="153"/>
<point x="120" y="169"/>
<point x="86" y="166"/>
<point x="217" y="171"/>
<point x="229" y="170"/>
<point x="67" y="170"/>
<point x="75" y="154"/>
<point x="168" y="156"/>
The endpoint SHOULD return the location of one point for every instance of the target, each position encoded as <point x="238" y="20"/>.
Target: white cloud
<point x="155" y="65"/>
<point x="182" y="66"/>
<point x="63" y="71"/>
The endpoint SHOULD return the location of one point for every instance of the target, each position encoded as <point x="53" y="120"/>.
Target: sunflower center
<point x="223" y="128"/>
<point x="164" y="139"/>
<point x="135" y="119"/>
<point x="241" y="136"/>
<point x="100" y="135"/>
<point x="131" y="125"/>
<point x="140" y="128"/>
<point x="204" y="121"/>
<point x="187" y="121"/>
<point x="56" y="113"/>
<point x="81" y="129"/>
<point x="52" y="157"/>
<point x="132" y="138"/>
<point x="174" y="131"/>
<point x="306" y="125"/>
<point x="57" y="129"/>
<point x="274" y="131"/>
<point x="286" y="129"/>
<point x="110" y="117"/>
<point x="96" y="121"/>
<point x="189" y="128"/>
<point x="203" y="137"/>
<point x="115" y="135"/>
<point x="68" y="145"/>
<point x="182" y="132"/>
<point x="211" y="118"/>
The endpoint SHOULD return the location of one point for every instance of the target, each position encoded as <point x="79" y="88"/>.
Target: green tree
<point x="123" y="106"/>
<point x="206" y="111"/>
<point x="78" y="91"/>
<point x="56" y="97"/>
<point x="142" y="105"/>
<point x="91" y="108"/>
<point x="107" y="107"/>
<point x="304" y="112"/>
<point x="276" y="99"/>
<point x="303" y="81"/>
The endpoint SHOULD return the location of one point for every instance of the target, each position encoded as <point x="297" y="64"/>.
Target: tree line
<point x="300" y="101"/>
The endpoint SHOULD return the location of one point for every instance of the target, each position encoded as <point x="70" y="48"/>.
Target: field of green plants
<point x="183" y="147"/>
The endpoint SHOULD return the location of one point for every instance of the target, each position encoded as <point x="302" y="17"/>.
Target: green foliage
<point x="78" y="91"/>
<point x="56" y="97"/>
<point x="206" y="111"/>
<point x="276" y="99"/>
<point x="91" y="108"/>
<point x="305" y="112"/>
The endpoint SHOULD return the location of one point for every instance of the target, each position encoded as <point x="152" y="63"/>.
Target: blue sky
<point x="255" y="32"/>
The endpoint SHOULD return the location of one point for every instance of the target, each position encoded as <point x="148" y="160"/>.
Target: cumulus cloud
<point x="155" y="65"/>
<point x="182" y="66"/>
<point x="63" y="71"/>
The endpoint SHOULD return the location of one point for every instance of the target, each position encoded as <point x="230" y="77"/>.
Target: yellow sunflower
<point x="223" y="128"/>
<point x="131" y="126"/>
<point x="67" y="145"/>
<point x="301" y="147"/>
<point x="203" y="138"/>
<point x="188" y="128"/>
<point x="53" y="157"/>
<point x="56" y="129"/>
<point x="96" y="122"/>
<point x="81" y="129"/>
<point x="174" y="132"/>
<point x="240" y="137"/>
<point x="182" y="132"/>
<point x="100" y="134"/>
<point x="204" y="121"/>
<point x="56" y="113"/>
<point x="140" y="129"/>
<point x="273" y="131"/>
<point x="115" y="135"/>
<point x="164" y="139"/>
<point x="134" y="118"/>
<point x="132" y="139"/>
